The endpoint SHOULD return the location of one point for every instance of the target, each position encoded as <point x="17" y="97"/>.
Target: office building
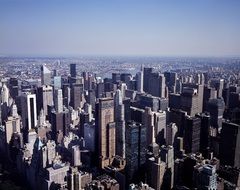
<point x="73" y="71"/>
<point x="171" y="78"/>
<point x="135" y="149"/>
<point x="156" y="85"/>
<point x="76" y="96"/>
<point x="76" y="156"/>
<point x="29" y="115"/>
<point x="139" y="79"/>
<point x="5" y="95"/>
<point x="58" y="100"/>
<point x="45" y="75"/>
<point x="146" y="75"/>
<point x="191" y="138"/>
<point x="106" y="131"/>
<point x="205" y="177"/>
<point x="229" y="144"/>
<point x="44" y="98"/>
<point x="218" y="84"/>
<point x="216" y="108"/>
<point x="189" y="101"/>
<point x="155" y="172"/>
<point x="171" y="134"/>
<point x="204" y="133"/>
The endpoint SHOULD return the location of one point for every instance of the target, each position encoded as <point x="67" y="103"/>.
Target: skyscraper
<point x="171" y="78"/>
<point x="230" y="144"/>
<point x="45" y="98"/>
<point x="76" y="95"/>
<point x="120" y="124"/>
<point x="139" y="78"/>
<point x="5" y="95"/>
<point x="192" y="134"/>
<point x="45" y="75"/>
<point x="58" y="100"/>
<point x="135" y="148"/>
<point x="156" y="84"/>
<point x="218" y="84"/>
<point x="156" y="169"/>
<point x="106" y="131"/>
<point x="146" y="74"/>
<point x="216" y="108"/>
<point x="29" y="113"/>
<point x="205" y="177"/>
<point x="189" y="101"/>
<point x="73" y="72"/>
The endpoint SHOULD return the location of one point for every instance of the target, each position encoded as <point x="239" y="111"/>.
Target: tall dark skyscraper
<point x="171" y="78"/>
<point x="135" y="148"/>
<point x="216" y="108"/>
<point x="192" y="134"/>
<point x="156" y="84"/>
<point x="230" y="144"/>
<point x="146" y="75"/>
<point x="204" y="133"/>
<point x="76" y="95"/>
<point x="73" y="71"/>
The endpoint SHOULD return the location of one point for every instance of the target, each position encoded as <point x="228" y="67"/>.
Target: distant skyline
<point x="120" y="27"/>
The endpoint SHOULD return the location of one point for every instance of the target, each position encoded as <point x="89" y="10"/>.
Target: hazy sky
<point x="120" y="27"/>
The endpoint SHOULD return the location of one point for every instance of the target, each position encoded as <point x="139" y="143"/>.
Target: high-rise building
<point x="218" y="84"/>
<point x="171" y="78"/>
<point x="208" y="93"/>
<point x="178" y="117"/>
<point x="174" y="101"/>
<point x="45" y="75"/>
<point x="73" y="71"/>
<point x="171" y="134"/>
<point x="106" y="131"/>
<point x="230" y="144"/>
<point x="29" y="115"/>
<point x="76" y="156"/>
<point x="167" y="156"/>
<point x="120" y="124"/>
<point x="149" y="123"/>
<point x="192" y="134"/>
<point x="155" y="172"/>
<point x="204" y="133"/>
<point x="57" y="82"/>
<point x="156" y="85"/>
<point x="205" y="177"/>
<point x="58" y="100"/>
<point x="116" y="77"/>
<point x="66" y="94"/>
<point x="139" y="79"/>
<point x="91" y="98"/>
<point x="5" y="95"/>
<point x="45" y="98"/>
<point x="189" y="101"/>
<point x="135" y="149"/>
<point x="89" y="136"/>
<point x="13" y="87"/>
<point x="197" y="95"/>
<point x="146" y="75"/>
<point x="12" y="125"/>
<point x="216" y="109"/>
<point x="76" y="95"/>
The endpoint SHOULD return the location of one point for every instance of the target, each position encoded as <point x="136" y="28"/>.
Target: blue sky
<point x="120" y="27"/>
